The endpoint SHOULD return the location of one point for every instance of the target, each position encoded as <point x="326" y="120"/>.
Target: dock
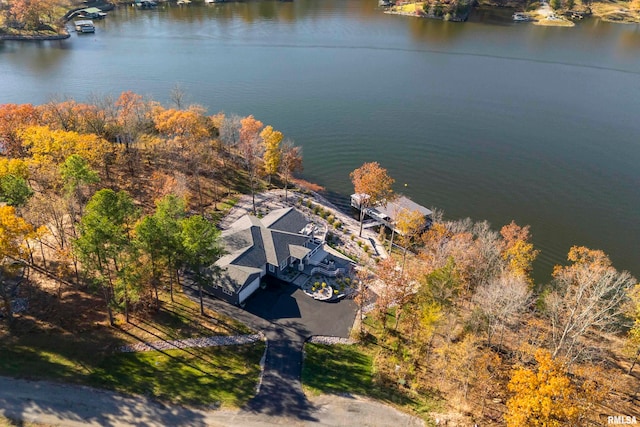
<point x="386" y="214"/>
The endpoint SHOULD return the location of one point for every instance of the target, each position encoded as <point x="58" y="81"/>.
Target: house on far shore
<point x="281" y="242"/>
<point x="387" y="213"/>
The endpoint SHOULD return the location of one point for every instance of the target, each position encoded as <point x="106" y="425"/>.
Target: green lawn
<point x="198" y="376"/>
<point x="68" y="340"/>
<point x="216" y="375"/>
<point x="335" y="369"/>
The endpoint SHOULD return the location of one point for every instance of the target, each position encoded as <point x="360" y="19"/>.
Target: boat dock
<point x="386" y="214"/>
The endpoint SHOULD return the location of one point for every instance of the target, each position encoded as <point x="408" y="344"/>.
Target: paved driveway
<point x="287" y="306"/>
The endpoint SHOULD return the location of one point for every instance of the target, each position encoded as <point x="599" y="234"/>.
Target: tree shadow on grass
<point x="21" y="399"/>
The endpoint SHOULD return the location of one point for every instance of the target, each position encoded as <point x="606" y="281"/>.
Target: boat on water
<point x="521" y="17"/>
<point x="181" y="2"/>
<point x="145" y="4"/>
<point x="84" y="26"/>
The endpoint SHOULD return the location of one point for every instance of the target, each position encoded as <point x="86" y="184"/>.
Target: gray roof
<point x="398" y="204"/>
<point x="290" y="220"/>
<point x="252" y="243"/>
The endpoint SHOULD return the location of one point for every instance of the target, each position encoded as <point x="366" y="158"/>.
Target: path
<point x="217" y="340"/>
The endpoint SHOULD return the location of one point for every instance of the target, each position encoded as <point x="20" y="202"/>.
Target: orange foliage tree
<point x="13" y="118"/>
<point x="542" y="397"/>
<point x="372" y="184"/>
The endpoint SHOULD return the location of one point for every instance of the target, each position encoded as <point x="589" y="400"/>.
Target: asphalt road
<point x="78" y="406"/>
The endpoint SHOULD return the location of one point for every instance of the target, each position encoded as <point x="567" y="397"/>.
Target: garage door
<point x="248" y="290"/>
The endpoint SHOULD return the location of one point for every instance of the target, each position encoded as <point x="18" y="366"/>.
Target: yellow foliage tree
<point x="518" y="251"/>
<point x="54" y="146"/>
<point x="272" y="154"/>
<point x="15" y="167"/>
<point x="544" y="397"/>
<point x="14" y="231"/>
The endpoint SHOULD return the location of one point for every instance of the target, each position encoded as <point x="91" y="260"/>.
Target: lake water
<point x="488" y="119"/>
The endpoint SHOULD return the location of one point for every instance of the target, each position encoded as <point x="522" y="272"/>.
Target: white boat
<point x="521" y="17"/>
<point x="85" y="26"/>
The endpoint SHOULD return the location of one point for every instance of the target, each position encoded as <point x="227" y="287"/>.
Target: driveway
<point x="288" y="306"/>
<point x="287" y="317"/>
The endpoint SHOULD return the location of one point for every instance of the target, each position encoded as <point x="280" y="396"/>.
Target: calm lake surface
<point x="487" y="119"/>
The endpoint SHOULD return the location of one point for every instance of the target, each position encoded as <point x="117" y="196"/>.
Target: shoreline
<point x="34" y="38"/>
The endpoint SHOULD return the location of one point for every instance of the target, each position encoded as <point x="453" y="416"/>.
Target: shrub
<point x="337" y="225"/>
<point x="331" y="219"/>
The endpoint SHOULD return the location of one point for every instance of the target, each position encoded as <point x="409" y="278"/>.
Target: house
<point x="386" y="213"/>
<point x="283" y="239"/>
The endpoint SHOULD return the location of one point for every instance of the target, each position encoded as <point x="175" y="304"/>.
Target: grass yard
<point x="68" y="340"/>
<point x="225" y="376"/>
<point x="335" y="369"/>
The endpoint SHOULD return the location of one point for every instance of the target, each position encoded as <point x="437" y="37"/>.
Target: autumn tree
<point x="290" y="164"/>
<point x="230" y="133"/>
<point x="542" y="397"/>
<point x="14" y="232"/>
<point x="53" y="147"/>
<point x="409" y="224"/>
<point x="32" y="14"/>
<point x="397" y="286"/>
<point x="587" y="294"/>
<point x="517" y="250"/>
<point x="272" y="157"/>
<point x="251" y="151"/>
<point x="500" y="302"/>
<point x="13" y="119"/>
<point x="457" y="362"/>
<point x="372" y="185"/>
<point x="632" y="345"/>
<point x="133" y="117"/>
<point x="66" y="115"/>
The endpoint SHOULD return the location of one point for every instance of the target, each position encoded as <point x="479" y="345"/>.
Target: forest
<point x="459" y="317"/>
<point x="114" y="201"/>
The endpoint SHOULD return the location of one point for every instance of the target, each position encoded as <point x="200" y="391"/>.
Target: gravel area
<point x="323" y="339"/>
<point x="192" y="342"/>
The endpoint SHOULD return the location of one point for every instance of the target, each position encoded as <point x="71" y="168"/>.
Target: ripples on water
<point x="486" y="119"/>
